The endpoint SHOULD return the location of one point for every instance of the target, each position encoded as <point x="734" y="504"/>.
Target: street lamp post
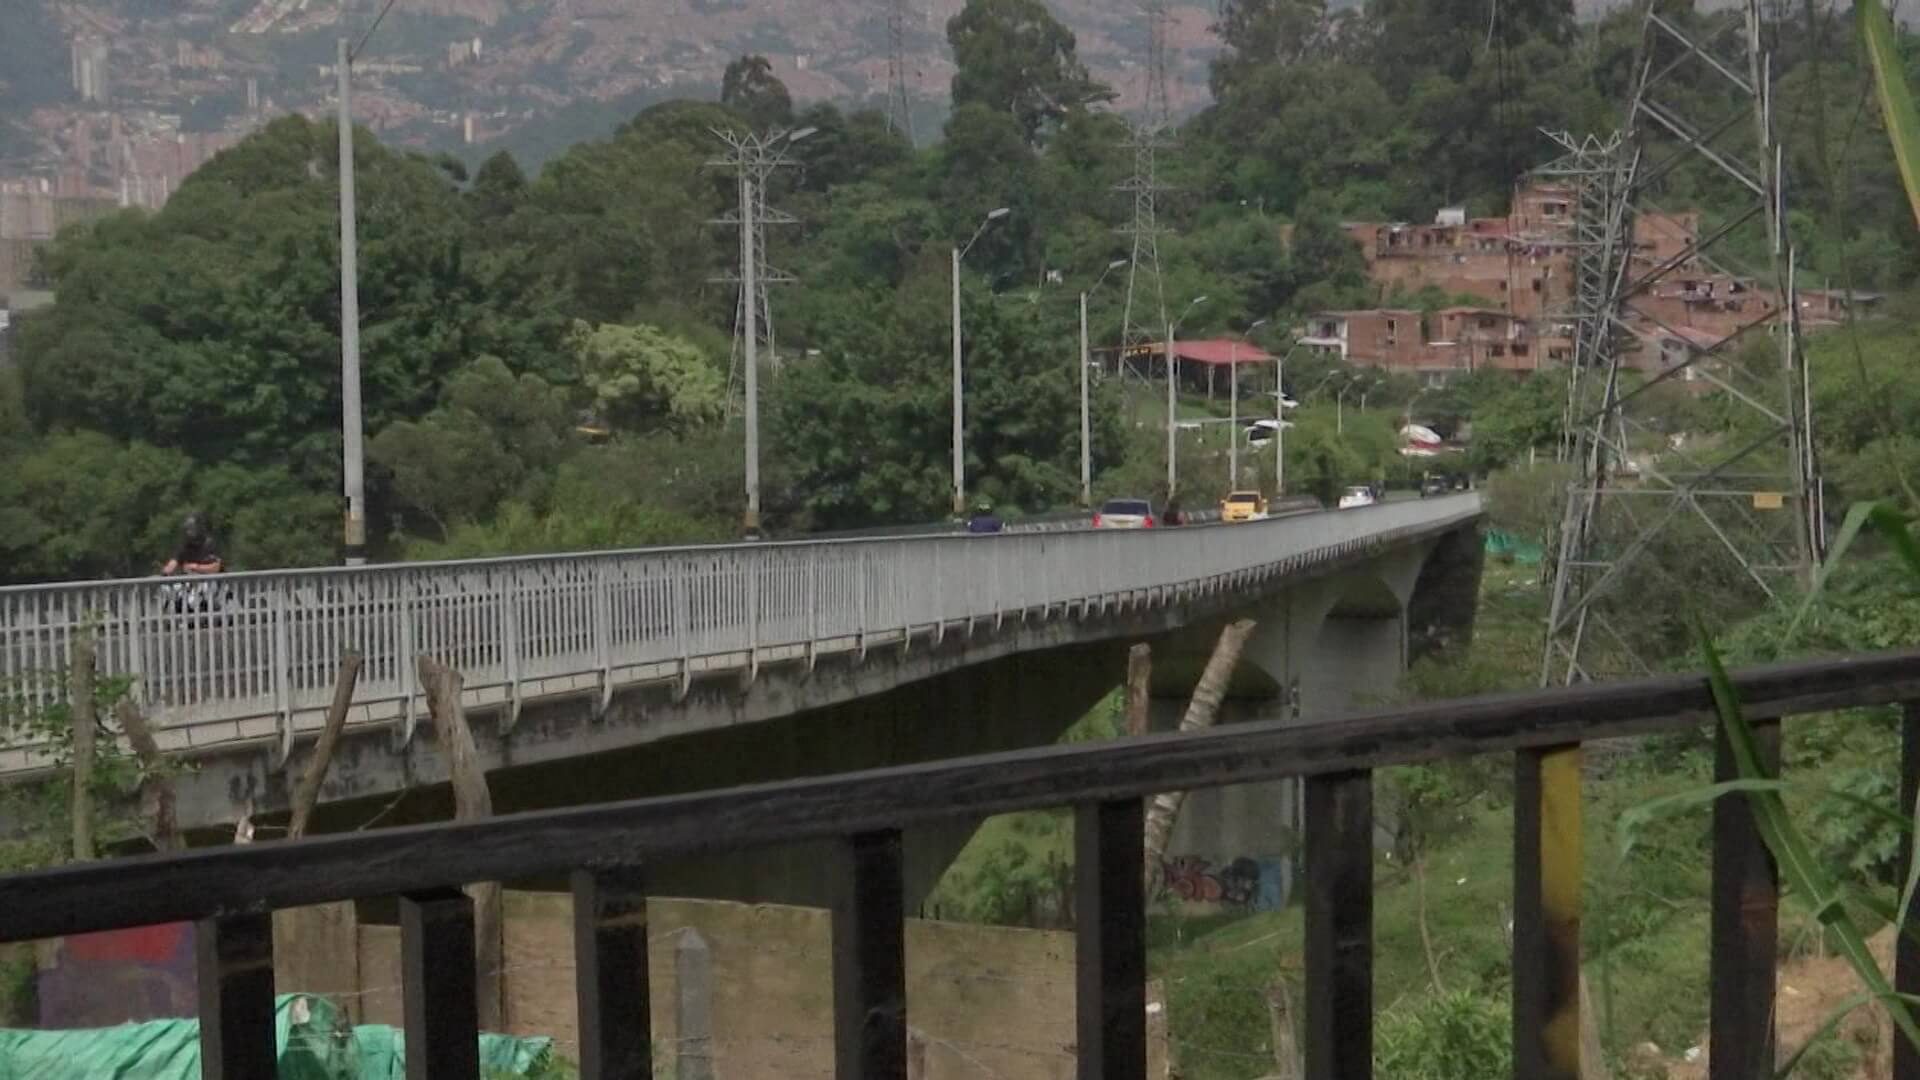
<point x="351" y="429"/>
<point x="1173" y="369"/>
<point x="1086" y="414"/>
<point x="1280" y="421"/>
<point x="1233" y="408"/>
<point x="959" y="399"/>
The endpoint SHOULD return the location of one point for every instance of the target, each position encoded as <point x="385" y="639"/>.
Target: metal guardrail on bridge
<point x="262" y="666"/>
<point x="610" y="849"/>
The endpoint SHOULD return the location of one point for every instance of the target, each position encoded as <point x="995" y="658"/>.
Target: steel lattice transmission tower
<point x="1751" y="496"/>
<point x="899" y="106"/>
<point x="753" y="159"/>
<point x="1146" y="290"/>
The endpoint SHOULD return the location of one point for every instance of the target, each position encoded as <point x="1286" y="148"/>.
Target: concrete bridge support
<point x="1329" y="646"/>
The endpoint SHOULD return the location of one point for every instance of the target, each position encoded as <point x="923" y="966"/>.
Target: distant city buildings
<point x="92" y="63"/>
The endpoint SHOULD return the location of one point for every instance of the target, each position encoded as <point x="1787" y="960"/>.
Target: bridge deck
<point x="263" y="665"/>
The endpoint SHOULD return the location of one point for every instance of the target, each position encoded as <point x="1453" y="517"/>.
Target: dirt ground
<point x="1810" y="989"/>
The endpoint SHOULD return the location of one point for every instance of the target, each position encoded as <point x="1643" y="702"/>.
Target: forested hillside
<point x="192" y="356"/>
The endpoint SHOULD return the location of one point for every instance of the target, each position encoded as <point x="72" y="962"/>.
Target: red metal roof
<point x="1221" y="351"/>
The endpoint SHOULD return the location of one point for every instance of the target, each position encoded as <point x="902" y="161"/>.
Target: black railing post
<point x="869" y="961"/>
<point x="1339" y="871"/>
<point x="233" y="956"/>
<point x="1110" y="935"/>
<point x="610" y="974"/>
<point x="1746" y="917"/>
<point x="438" y="986"/>
<point x="1547" y="879"/>
<point x="1906" y="951"/>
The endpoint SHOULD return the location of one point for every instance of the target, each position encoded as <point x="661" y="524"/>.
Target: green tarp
<point x="312" y="1044"/>
<point x="1506" y="544"/>
<point x="311" y="1035"/>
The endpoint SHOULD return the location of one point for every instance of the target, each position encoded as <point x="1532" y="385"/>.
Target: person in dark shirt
<point x="983" y="520"/>
<point x="196" y="553"/>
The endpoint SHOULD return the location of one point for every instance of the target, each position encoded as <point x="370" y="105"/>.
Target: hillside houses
<point x="1518" y="272"/>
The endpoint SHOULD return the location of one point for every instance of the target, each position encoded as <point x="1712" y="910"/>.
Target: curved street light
<point x="1173" y="369"/>
<point x="1086" y="416"/>
<point x="1233" y="404"/>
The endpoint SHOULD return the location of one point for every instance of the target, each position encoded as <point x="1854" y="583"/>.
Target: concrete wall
<point x="981" y="1001"/>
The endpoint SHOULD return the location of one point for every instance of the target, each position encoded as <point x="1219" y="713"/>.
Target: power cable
<point x="364" y="38"/>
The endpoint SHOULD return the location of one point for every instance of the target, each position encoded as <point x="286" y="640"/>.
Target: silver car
<point x="1124" y="514"/>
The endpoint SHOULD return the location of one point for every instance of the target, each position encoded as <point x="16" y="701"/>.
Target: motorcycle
<point x="193" y="594"/>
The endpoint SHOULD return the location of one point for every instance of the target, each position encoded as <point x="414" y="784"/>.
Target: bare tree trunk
<point x="471" y="801"/>
<point x="1163" y="808"/>
<point x="1139" y="674"/>
<point x="156" y="787"/>
<point x="1426" y="932"/>
<point x="307" y="795"/>
<point x="80" y="672"/>
<point x="1286" y="1048"/>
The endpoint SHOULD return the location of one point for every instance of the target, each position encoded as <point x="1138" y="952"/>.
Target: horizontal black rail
<point x="605" y="846"/>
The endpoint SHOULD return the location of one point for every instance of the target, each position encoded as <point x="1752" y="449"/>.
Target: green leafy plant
<point x="1446" y="1036"/>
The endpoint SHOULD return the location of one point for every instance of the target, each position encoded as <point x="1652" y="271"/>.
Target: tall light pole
<point x="1233" y="407"/>
<point x="959" y="399"/>
<point x="750" y="334"/>
<point x="1086" y="413"/>
<point x="1280" y="405"/>
<point x="1173" y="369"/>
<point x="351" y="428"/>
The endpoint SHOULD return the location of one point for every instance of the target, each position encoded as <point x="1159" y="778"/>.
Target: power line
<point x="364" y="38"/>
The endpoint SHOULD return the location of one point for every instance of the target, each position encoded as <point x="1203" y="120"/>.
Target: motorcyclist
<point x="983" y="519"/>
<point x="196" y="553"/>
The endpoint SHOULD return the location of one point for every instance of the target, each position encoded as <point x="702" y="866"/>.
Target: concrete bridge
<point x="611" y="675"/>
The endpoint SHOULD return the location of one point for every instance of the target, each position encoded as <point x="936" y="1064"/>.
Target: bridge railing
<point x="254" y="656"/>
<point x="608" y="849"/>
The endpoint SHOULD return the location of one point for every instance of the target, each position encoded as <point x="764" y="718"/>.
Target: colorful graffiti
<point x="1251" y="884"/>
<point x="98" y="980"/>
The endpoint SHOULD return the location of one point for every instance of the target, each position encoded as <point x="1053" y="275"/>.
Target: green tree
<point x="494" y="436"/>
<point x="1013" y="57"/>
<point x="87" y="505"/>
<point x="642" y="378"/>
<point x="750" y="86"/>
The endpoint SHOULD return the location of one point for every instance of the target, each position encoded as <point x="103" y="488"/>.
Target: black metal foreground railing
<point x="233" y="890"/>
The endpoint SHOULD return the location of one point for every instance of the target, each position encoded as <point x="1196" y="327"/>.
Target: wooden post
<point x="81" y="713"/>
<point x="1546" y="914"/>
<point x="869" y="961"/>
<point x="1202" y="711"/>
<point x="1286" y="1044"/>
<point x="1139" y="678"/>
<point x="1110" y="932"/>
<point x="471" y="801"/>
<point x="233" y="956"/>
<point x="437" y="986"/>
<point x="1906" y="951"/>
<point x="156" y="787"/>
<point x="307" y="794"/>
<point x="610" y="974"/>
<point x="1339" y="843"/>
<point x="1746" y="917"/>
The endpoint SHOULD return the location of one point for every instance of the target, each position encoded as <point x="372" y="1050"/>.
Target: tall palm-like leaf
<point x="1881" y="41"/>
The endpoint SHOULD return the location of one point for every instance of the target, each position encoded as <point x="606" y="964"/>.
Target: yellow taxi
<point x="1243" y="506"/>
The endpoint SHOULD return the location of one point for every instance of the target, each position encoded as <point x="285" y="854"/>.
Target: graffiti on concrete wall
<point x="98" y="980"/>
<point x="1246" y="883"/>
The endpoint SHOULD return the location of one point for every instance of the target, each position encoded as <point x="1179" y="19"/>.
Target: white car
<point x="1124" y="514"/>
<point x="1356" y="497"/>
